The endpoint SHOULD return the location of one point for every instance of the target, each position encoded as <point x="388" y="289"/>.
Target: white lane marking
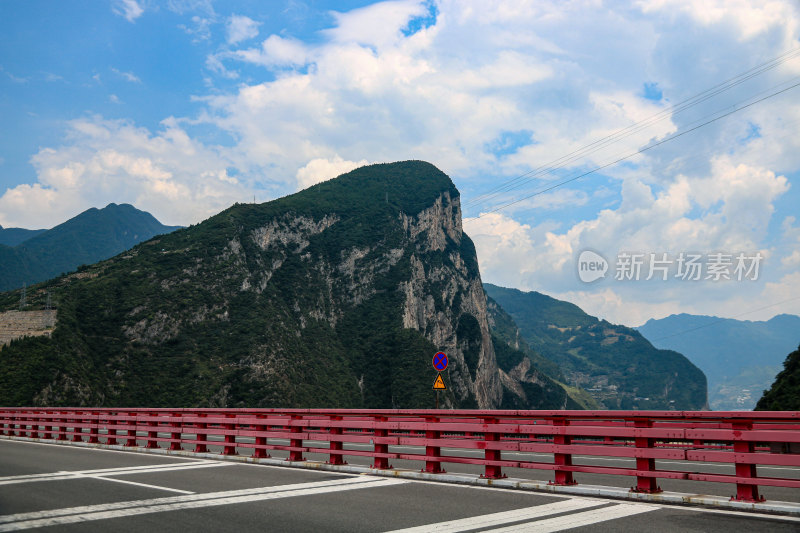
<point x="746" y="514"/>
<point x="146" y="485"/>
<point x="138" y="507"/>
<point x="585" y="518"/>
<point x="146" y="469"/>
<point x="495" y="519"/>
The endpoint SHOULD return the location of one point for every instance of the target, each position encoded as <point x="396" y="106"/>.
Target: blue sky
<point x="182" y="107"/>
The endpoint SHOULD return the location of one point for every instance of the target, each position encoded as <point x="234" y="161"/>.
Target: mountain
<point x="739" y="357"/>
<point x="15" y="236"/>
<point x="541" y="377"/>
<point x="336" y="296"/>
<point x="92" y="236"/>
<point x="618" y="367"/>
<point x="784" y="394"/>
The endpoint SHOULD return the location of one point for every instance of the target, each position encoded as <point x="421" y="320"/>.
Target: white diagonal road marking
<point x="494" y="519"/>
<point x="87" y="513"/>
<point x="138" y="484"/>
<point x="585" y="518"/>
<point x="146" y="469"/>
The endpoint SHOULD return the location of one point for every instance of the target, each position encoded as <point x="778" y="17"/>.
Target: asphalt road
<point x="67" y="488"/>
<point x="675" y="485"/>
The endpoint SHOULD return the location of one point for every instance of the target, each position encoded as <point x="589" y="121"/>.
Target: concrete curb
<point x="617" y="493"/>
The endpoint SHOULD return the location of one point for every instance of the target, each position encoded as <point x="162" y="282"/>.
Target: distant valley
<point x="613" y="364"/>
<point x="740" y="357"/>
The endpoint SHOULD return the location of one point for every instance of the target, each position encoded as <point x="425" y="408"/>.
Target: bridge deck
<point x="79" y="488"/>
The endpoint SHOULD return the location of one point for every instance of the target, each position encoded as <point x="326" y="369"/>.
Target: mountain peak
<point x="93" y="235"/>
<point x="337" y="295"/>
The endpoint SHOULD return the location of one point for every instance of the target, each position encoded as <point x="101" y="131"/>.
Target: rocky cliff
<point x="337" y="296"/>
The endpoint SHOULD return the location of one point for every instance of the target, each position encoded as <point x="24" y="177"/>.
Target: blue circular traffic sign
<point x="440" y="361"/>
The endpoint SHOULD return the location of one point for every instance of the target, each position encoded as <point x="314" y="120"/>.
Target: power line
<point x="632" y="154"/>
<point x="635" y="128"/>
<point x="723" y="319"/>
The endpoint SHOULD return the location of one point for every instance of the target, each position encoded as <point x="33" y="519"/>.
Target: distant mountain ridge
<point x="739" y="357"/>
<point x="15" y="236"/>
<point x="614" y="364"/>
<point x="91" y="236"/>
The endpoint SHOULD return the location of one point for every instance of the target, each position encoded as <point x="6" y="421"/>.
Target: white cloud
<point x="275" y="51"/>
<point x="319" y="170"/>
<point x="128" y="76"/>
<point x="749" y="19"/>
<point x="241" y="28"/>
<point x="199" y="29"/>
<point x="792" y="260"/>
<point x="377" y="25"/>
<point x="728" y="211"/>
<point x="129" y="9"/>
<point x="166" y="173"/>
<point x="451" y="83"/>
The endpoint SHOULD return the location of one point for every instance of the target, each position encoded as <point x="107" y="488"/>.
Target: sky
<point x="595" y="144"/>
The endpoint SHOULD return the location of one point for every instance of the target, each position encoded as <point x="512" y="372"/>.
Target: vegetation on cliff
<point x="784" y="394"/>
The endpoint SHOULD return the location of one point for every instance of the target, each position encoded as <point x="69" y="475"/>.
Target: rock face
<point x="463" y="334"/>
<point x="337" y="296"/>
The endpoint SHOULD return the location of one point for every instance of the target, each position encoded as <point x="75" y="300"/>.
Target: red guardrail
<point x="742" y="439"/>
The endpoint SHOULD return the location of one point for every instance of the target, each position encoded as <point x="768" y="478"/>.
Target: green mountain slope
<point x="337" y="296"/>
<point x="784" y="394"/>
<point x="94" y="235"/>
<point x="615" y="364"/>
<point x="538" y="377"/>
<point x="739" y="357"/>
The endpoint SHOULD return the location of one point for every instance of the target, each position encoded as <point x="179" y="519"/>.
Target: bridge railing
<point x="660" y="444"/>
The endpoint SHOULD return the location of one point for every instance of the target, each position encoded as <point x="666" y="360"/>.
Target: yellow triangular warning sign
<point x="439" y="383"/>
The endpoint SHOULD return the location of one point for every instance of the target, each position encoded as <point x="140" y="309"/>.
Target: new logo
<point x="591" y="266"/>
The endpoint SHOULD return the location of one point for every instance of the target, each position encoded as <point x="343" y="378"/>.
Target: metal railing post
<point x="491" y="471"/>
<point x="94" y="430"/>
<point x="563" y="477"/>
<point x="201" y="438"/>
<point x="335" y="445"/>
<point x="176" y="434"/>
<point x="646" y="484"/>
<point x="261" y="440"/>
<point x="152" y="432"/>
<point x="433" y="451"/>
<point x="295" y="455"/>
<point x="131" y="432"/>
<point x="744" y="469"/>
<point x="62" y="427"/>
<point x="77" y="431"/>
<point x="229" y="439"/>
<point x="380" y="463"/>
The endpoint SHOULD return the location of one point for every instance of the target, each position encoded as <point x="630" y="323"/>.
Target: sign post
<point x="439" y="364"/>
